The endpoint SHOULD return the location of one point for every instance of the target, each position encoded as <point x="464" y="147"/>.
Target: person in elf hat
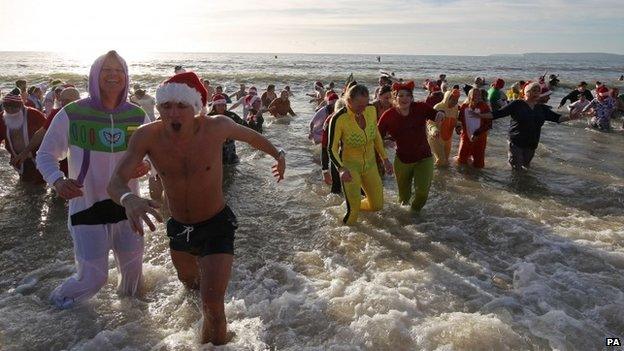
<point x="603" y="107"/>
<point x="496" y="97"/>
<point x="353" y="141"/>
<point x="527" y="118"/>
<point x="18" y="124"/>
<point x="406" y="123"/>
<point x="93" y="134"/>
<point x="441" y="146"/>
<point x="202" y="227"/>
<point x="219" y="107"/>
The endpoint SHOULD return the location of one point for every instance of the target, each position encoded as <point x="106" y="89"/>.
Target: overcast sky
<point x="453" y="27"/>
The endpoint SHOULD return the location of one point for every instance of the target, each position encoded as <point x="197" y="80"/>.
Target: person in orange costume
<point x="474" y="131"/>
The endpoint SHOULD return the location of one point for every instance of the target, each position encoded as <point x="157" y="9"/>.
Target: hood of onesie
<point x="94" y="81"/>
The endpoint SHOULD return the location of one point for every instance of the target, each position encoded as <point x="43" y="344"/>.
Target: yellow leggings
<point x="370" y="181"/>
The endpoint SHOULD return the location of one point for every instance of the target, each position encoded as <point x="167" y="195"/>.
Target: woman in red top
<point x="473" y="138"/>
<point x="406" y="122"/>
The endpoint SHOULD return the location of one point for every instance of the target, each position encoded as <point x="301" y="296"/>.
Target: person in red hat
<point x="219" y="107"/>
<point x="18" y="124"/>
<point x="254" y="118"/>
<point x="602" y="108"/>
<point x="242" y="101"/>
<point x="201" y="228"/>
<point x="527" y="118"/>
<point x="407" y="123"/>
<point x="496" y="96"/>
<point x="67" y="96"/>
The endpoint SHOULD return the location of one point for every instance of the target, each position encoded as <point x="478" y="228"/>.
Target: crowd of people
<point x="353" y="158"/>
<point x="93" y="150"/>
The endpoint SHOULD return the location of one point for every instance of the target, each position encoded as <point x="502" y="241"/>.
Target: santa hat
<point x="184" y="87"/>
<point x="396" y="86"/>
<point x="13" y="96"/>
<point x="602" y="91"/>
<point x="219" y="99"/>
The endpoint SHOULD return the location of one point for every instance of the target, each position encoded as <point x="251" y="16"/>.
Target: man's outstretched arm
<point x="257" y="141"/>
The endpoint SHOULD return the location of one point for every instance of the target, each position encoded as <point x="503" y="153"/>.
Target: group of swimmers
<point x="93" y="150"/>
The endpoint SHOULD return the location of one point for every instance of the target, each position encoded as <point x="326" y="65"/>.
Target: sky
<point x="427" y="27"/>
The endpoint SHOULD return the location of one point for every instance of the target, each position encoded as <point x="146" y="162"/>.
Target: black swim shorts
<point x="213" y="236"/>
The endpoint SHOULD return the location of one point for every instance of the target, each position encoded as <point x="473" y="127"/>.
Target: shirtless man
<point x="201" y="227"/>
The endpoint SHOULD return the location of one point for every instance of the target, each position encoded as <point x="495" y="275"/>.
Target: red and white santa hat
<point x="219" y="99"/>
<point x="183" y="87"/>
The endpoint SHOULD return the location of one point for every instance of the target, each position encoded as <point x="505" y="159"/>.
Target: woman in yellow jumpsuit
<point x="353" y="140"/>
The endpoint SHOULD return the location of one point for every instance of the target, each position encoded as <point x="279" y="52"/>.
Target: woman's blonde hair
<point x="471" y="96"/>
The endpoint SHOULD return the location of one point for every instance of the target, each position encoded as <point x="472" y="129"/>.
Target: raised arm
<point x="236" y="104"/>
<point x="257" y="141"/>
<point x="565" y="99"/>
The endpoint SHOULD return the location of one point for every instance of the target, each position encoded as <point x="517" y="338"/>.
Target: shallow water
<point x="495" y="261"/>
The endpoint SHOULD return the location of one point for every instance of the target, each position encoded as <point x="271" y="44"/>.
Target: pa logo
<point x="613" y="342"/>
<point x="114" y="137"/>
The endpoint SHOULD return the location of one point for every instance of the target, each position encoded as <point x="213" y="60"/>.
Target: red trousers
<point x="474" y="149"/>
